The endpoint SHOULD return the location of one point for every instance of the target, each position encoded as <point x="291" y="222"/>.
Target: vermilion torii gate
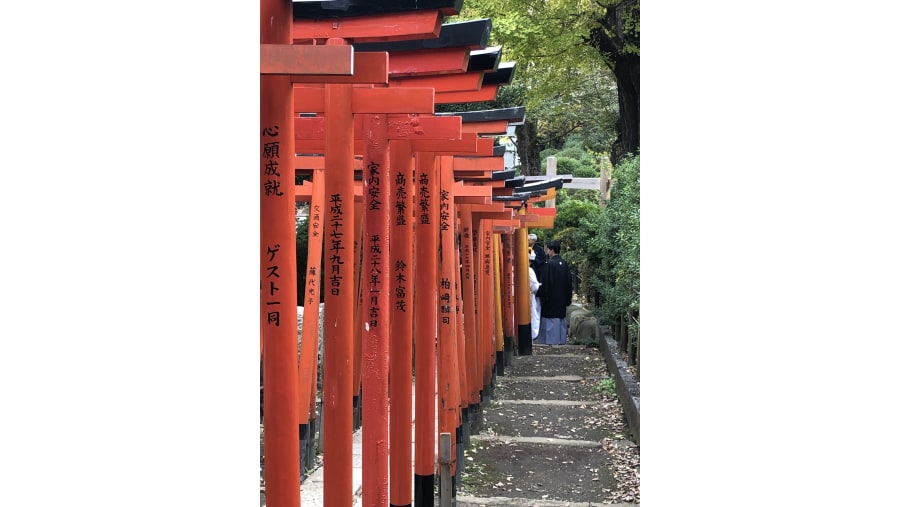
<point x="278" y="328"/>
<point x="348" y="111"/>
<point x="474" y="146"/>
<point x="370" y="101"/>
<point x="278" y="320"/>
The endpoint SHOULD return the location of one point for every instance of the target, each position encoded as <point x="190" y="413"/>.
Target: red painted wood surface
<point x="478" y="163"/>
<point x="311" y="311"/>
<point x="467" y="199"/>
<point x="319" y="147"/>
<point x="428" y="62"/>
<point x="448" y="367"/>
<point x="470" y="144"/>
<point x="337" y="404"/>
<point x="466" y="143"/>
<point x="507" y="226"/>
<point x="289" y="59"/>
<point x="278" y="276"/>
<point x="369" y="100"/>
<point x="459" y="360"/>
<point x="485" y="93"/>
<point x="318" y="162"/>
<point x="470" y="332"/>
<point x="368" y="68"/>
<point x="394" y="100"/>
<point x="471" y="190"/>
<point x="468" y="81"/>
<point x="426" y="311"/>
<point x="376" y="310"/>
<point x="399" y="26"/>
<point x="304" y="192"/>
<point x="523" y="298"/>
<point x="358" y="234"/>
<point x="497" y="127"/>
<point x="509" y="309"/>
<point x="487" y="346"/>
<point x="407" y="127"/>
<point x="498" y="296"/>
<point x="401" y="303"/>
<point x="309" y="344"/>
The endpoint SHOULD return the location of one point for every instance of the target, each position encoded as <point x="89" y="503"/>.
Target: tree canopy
<point x="573" y="58"/>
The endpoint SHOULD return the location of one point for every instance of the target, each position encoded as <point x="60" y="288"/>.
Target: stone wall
<point x="627" y="388"/>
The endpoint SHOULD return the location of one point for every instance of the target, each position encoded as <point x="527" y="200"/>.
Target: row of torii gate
<point x="421" y="229"/>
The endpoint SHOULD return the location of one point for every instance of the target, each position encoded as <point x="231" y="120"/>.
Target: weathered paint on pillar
<point x="401" y="273"/>
<point x="448" y="367"/>
<point x="311" y="316"/>
<point x="376" y="310"/>
<point x="278" y="270"/>
<point x="509" y="306"/>
<point x="459" y="365"/>
<point x="309" y="343"/>
<point x="498" y="306"/>
<point x="358" y="234"/>
<point x="426" y="321"/>
<point x="487" y="313"/>
<point x="469" y="333"/>
<point x="340" y="297"/>
<point x="523" y="297"/>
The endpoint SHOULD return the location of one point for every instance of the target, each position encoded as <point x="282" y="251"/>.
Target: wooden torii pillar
<point x="395" y="100"/>
<point x="489" y="171"/>
<point x="368" y="68"/>
<point x="441" y="63"/>
<point x="519" y="200"/>
<point x="481" y="216"/>
<point x="438" y="83"/>
<point x="451" y="90"/>
<point x="471" y="195"/>
<point x="426" y="152"/>
<point x="472" y="169"/>
<point x="339" y="102"/>
<point x="279" y="61"/>
<point x="405" y="133"/>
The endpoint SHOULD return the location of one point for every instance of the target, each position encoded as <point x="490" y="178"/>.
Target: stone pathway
<point x="554" y="434"/>
<point x="552" y="437"/>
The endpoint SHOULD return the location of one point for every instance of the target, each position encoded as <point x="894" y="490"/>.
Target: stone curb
<point x="626" y="387"/>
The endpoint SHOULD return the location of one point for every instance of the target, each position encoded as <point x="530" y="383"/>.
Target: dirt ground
<point x="587" y="456"/>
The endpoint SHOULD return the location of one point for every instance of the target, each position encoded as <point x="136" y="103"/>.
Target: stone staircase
<point x="553" y="434"/>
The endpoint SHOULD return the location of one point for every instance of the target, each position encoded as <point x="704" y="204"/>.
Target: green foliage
<point x="560" y="78"/>
<point x="566" y="165"/>
<point x="602" y="244"/>
<point x="573" y="159"/>
<point x="569" y="213"/>
<point x="607" y="386"/>
<point x="578" y="169"/>
<point x="613" y="244"/>
<point x="617" y="28"/>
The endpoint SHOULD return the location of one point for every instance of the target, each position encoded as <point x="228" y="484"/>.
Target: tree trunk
<point x="617" y="38"/>
<point x="628" y="82"/>
<point x="527" y="148"/>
